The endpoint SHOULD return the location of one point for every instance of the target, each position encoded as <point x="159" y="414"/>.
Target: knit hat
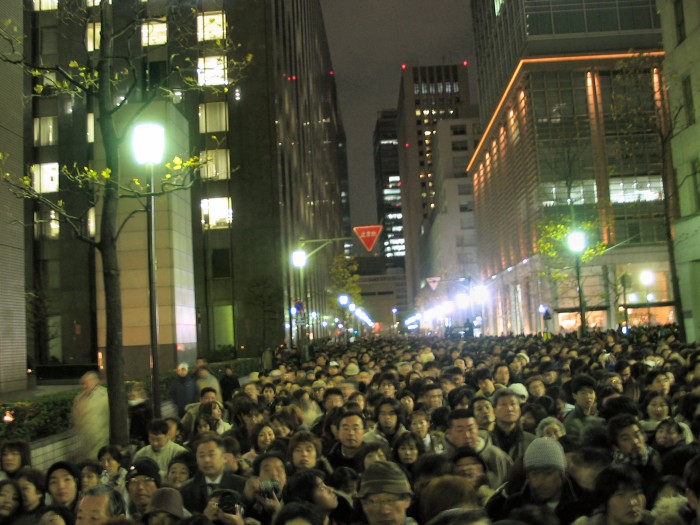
<point x="144" y="467"/>
<point x="544" y="453"/>
<point x="183" y="365"/>
<point x="547" y="422"/>
<point x="318" y="384"/>
<point x="383" y="476"/>
<point x="351" y="370"/>
<point x="65" y="465"/>
<point x="166" y="500"/>
<point x="523" y="356"/>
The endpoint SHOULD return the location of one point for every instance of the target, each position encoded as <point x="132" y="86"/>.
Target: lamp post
<point x="344" y="300"/>
<point x="394" y="311"/>
<point x="626" y="282"/>
<point x="577" y="244"/>
<point x="299" y="258"/>
<point x="148" y="144"/>
<point x="647" y="279"/>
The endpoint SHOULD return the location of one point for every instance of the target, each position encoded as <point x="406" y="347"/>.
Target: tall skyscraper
<point x="556" y="147"/>
<point x="275" y="152"/>
<point x="427" y="94"/>
<point x="388" y="187"/>
<point x="680" y="22"/>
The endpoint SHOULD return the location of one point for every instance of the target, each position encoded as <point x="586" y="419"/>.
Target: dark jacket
<point x="183" y="391"/>
<point x="195" y="492"/>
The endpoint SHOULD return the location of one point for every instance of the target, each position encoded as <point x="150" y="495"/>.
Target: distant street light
<point x="647" y="278"/>
<point x="148" y="144"/>
<point x="577" y="244"/>
<point x="394" y="311"/>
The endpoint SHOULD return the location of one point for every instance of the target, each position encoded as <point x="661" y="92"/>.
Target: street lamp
<point x="298" y="260"/>
<point x="647" y="278"/>
<point x="394" y="311"/>
<point x="343" y="300"/>
<point x="148" y="145"/>
<point x="577" y="244"/>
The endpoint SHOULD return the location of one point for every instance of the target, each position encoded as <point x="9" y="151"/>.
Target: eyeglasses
<point x="378" y="502"/>
<point x="143" y="481"/>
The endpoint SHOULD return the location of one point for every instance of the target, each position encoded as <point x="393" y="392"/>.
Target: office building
<point x="427" y="94"/>
<point x="275" y="167"/>
<point x="680" y="25"/>
<point x="555" y="148"/>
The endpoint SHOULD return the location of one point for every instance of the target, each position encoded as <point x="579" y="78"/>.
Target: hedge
<point x="39" y="417"/>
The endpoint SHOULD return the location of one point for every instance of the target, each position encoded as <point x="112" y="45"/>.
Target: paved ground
<point x="39" y="390"/>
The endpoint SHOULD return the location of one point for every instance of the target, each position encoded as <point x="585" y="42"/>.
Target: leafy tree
<point x="344" y="279"/>
<point x="111" y="79"/>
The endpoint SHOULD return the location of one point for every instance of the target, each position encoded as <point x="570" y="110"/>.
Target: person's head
<point x="531" y="415"/>
<point x="620" y="493"/>
<point x="370" y="453"/>
<point x="158" y="434"/>
<point x="110" y="457"/>
<point x="583" y="391"/>
<point x="656" y="406"/>
<point x="550" y="427"/>
<point x="207" y="395"/>
<point x="388" y="414"/>
<point x="658" y="381"/>
<point x="545" y="465"/>
<point x="304" y="450"/>
<point x="180" y="469"/>
<point x="32" y="483"/>
<point x="388" y="385"/>
<point x="166" y="508"/>
<point x="484" y="379"/>
<point x="446" y="492"/>
<point x="668" y="433"/>
<point x="98" y="504"/>
<point x="309" y="486"/>
<point x="506" y="408"/>
<point x="55" y="515"/>
<point x="10" y="500"/>
<point x="90" y="380"/>
<point x="462" y="429"/>
<point x="262" y="436"/>
<point x="469" y="465"/>
<point x="483" y="412"/>
<point x="428" y="467"/>
<point x="63" y="482"/>
<point x="90" y="474"/>
<point x="501" y="374"/>
<point x="209" y="452"/>
<point x="333" y="398"/>
<point x="298" y="513"/>
<point x="432" y="396"/>
<point x="407" y="448"/>
<point x="351" y="430"/>
<point x="691" y="477"/>
<point x="625" y="435"/>
<point x="385" y="494"/>
<point x="213" y="408"/>
<point x="420" y="423"/>
<point x="182" y="369"/>
<point x="142" y="480"/>
<point x="535" y="386"/>
<point x="270" y="466"/>
<point x="14" y="454"/>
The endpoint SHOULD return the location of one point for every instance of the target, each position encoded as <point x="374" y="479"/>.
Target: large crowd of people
<point x="595" y="430"/>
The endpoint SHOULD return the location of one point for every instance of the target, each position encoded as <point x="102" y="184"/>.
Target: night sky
<point x="369" y="40"/>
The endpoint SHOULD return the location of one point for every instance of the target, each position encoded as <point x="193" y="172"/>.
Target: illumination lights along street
<point x="368" y="235"/>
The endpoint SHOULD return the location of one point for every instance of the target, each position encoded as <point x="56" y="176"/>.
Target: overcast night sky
<point x="369" y="40"/>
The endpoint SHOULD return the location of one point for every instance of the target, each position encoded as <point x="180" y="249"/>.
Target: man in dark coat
<point x="183" y="389"/>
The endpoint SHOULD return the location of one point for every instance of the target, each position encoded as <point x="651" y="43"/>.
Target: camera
<point x="229" y="503"/>
<point x="269" y="488"/>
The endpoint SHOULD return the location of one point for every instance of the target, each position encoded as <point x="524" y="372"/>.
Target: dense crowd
<point x="597" y="430"/>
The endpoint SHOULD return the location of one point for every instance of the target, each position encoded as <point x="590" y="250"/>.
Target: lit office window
<point x="211" y="71"/>
<point x="93" y="36"/>
<point x="46" y="131"/>
<point x="211" y="26"/>
<point x="45" y="177"/>
<point x="46" y="225"/>
<point x="213" y="116"/>
<point x="215" y="164"/>
<point x="90" y="128"/>
<point x="154" y="33"/>
<point x="216" y="213"/>
<point x="45" y="5"/>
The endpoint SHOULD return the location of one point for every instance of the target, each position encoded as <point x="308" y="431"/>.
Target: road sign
<point x="368" y="235"/>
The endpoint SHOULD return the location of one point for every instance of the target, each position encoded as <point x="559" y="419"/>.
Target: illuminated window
<point x="45" y="5"/>
<point x="46" y="224"/>
<point x="213" y="116"/>
<point x="45" y="177"/>
<point x="90" y="128"/>
<point x="154" y="33"/>
<point x="93" y="36"/>
<point x="45" y="131"/>
<point x="216" y="213"/>
<point x="215" y="164"/>
<point x="212" y="71"/>
<point x="211" y="26"/>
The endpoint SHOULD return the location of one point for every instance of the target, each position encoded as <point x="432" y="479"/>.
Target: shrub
<point x="38" y="417"/>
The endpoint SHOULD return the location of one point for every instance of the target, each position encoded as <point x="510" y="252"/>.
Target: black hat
<point x="144" y="467"/>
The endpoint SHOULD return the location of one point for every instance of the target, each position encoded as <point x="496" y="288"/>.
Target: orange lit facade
<point x="555" y="144"/>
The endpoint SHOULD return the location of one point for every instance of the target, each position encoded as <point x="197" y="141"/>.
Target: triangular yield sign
<point x="433" y="282"/>
<point x="368" y="235"/>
